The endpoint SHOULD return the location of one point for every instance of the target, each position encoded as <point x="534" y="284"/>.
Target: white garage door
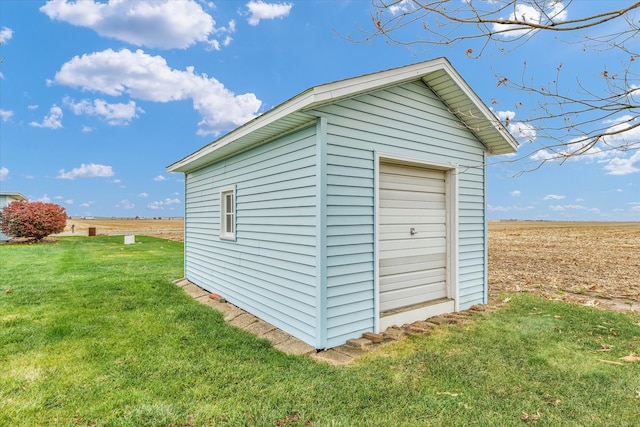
<point x="412" y="236"/>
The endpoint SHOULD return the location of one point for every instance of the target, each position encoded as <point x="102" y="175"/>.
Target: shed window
<point x="228" y="213"/>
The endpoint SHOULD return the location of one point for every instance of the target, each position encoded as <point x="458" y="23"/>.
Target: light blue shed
<point x="351" y="207"/>
<point x="5" y="200"/>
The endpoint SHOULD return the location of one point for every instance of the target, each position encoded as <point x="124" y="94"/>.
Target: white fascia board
<point x="354" y="86"/>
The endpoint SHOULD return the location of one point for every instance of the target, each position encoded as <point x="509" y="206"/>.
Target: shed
<point x="351" y="207"/>
<point x="5" y="200"/>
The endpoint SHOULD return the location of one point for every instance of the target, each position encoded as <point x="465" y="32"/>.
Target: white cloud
<point x="501" y="208"/>
<point x="553" y="197"/>
<point x="5" y="34"/>
<point x="542" y="155"/>
<point x="623" y="135"/>
<point x="217" y="45"/>
<point x="149" y="78"/>
<point x="159" y="178"/>
<point x="90" y="170"/>
<point x="524" y="13"/>
<point x="4" y="173"/>
<point x="259" y="10"/>
<point x="87" y="129"/>
<point x="115" y="114"/>
<point x="515" y="193"/>
<point x="143" y="195"/>
<point x="165" y="24"/>
<point x="622" y="131"/>
<point x="44" y="199"/>
<point x="563" y="208"/>
<point x="505" y="116"/>
<point x="403" y="6"/>
<point x="5" y="114"/>
<point x="610" y="152"/>
<point x="87" y="204"/>
<point x="68" y="202"/>
<point x="162" y="204"/>
<point x="32" y="107"/>
<point x="51" y="121"/>
<point x="621" y="166"/>
<point x="223" y="33"/>
<point x="125" y="204"/>
<point x="523" y="132"/>
<point x="574" y="151"/>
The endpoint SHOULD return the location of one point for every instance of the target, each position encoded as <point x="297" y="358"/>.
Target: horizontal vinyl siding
<point x="408" y="121"/>
<point x="269" y="270"/>
<point x="471" y="230"/>
<point x="350" y="234"/>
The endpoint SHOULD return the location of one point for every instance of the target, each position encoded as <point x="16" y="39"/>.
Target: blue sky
<point x="97" y="98"/>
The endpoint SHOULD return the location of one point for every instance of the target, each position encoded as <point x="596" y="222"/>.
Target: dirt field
<point x="578" y="262"/>
<point x="168" y="228"/>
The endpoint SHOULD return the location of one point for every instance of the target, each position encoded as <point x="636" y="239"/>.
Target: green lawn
<point x="94" y="333"/>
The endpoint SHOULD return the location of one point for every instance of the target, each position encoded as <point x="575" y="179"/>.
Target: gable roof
<point x="293" y="114"/>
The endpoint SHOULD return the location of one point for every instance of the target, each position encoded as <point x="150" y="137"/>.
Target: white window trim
<point x="224" y="233"/>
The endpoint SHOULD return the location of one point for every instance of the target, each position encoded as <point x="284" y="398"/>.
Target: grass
<point x="94" y="333"/>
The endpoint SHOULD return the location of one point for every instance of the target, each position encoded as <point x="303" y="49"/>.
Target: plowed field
<point x="579" y="262"/>
<point x="168" y="228"/>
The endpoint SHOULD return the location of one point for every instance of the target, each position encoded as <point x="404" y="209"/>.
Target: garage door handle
<point x="413" y="231"/>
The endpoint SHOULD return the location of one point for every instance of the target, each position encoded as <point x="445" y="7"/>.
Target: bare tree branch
<point x="562" y="118"/>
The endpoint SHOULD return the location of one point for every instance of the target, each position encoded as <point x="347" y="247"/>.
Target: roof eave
<point x="291" y="106"/>
<point x="490" y="129"/>
<point x="16" y="195"/>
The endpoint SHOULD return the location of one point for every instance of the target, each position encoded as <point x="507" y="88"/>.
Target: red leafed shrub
<point x="32" y="220"/>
